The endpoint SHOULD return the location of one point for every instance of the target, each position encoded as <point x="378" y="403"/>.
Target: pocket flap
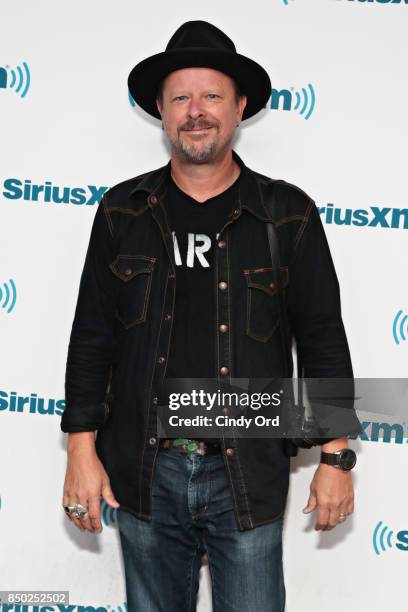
<point x="127" y="266"/>
<point x="264" y="279"/>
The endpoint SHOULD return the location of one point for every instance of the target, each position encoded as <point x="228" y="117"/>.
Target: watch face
<point x="347" y="459"/>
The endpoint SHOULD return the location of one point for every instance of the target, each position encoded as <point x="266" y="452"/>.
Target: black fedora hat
<point x="199" y="44"/>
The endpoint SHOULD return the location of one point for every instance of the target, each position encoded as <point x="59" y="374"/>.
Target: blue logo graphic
<point x="31" y="404"/>
<point x="302" y="101"/>
<point x="108" y="514"/>
<point x="8" y="295"/>
<point x="17" y="79"/>
<point x="16" y="189"/>
<point x="399" y="326"/>
<point x="373" y="431"/>
<point x="361" y="217"/>
<point x="383" y="536"/>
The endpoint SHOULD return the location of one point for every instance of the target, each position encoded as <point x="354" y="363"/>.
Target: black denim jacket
<point x="122" y="328"/>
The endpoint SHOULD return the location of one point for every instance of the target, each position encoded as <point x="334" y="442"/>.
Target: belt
<point x="187" y="445"/>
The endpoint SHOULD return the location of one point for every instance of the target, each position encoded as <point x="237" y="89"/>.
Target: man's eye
<point x="178" y="97"/>
<point x="214" y="95"/>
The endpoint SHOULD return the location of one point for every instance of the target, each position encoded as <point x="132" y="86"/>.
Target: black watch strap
<point x="329" y="458"/>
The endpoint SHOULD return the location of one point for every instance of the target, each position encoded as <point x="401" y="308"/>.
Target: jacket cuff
<point x="84" y="418"/>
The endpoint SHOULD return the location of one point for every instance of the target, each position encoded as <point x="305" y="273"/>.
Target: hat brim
<point x="253" y="80"/>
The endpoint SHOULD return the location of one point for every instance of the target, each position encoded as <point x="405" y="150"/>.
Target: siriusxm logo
<point x="108" y="514"/>
<point x="16" y="189"/>
<point x="399" y="327"/>
<point x="372" y="217"/>
<point x="31" y="405"/>
<point x="8" y="296"/>
<point x="63" y="608"/>
<point x="373" y="431"/>
<point x="302" y="101"/>
<point x="383" y="539"/>
<point x="17" y="79"/>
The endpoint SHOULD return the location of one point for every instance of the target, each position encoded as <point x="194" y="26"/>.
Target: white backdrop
<point x="66" y="119"/>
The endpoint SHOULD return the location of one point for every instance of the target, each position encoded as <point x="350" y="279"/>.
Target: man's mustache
<point x="190" y="125"/>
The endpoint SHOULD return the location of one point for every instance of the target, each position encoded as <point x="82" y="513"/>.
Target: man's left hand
<point x="331" y="493"/>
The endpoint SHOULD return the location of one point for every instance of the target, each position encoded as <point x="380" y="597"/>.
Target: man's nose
<point x="195" y="108"/>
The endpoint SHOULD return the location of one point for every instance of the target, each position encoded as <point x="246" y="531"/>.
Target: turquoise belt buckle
<point x="186" y="444"/>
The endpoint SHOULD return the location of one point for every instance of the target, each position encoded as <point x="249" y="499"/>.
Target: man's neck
<point x="203" y="181"/>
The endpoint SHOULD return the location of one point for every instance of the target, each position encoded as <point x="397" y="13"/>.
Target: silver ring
<point x="78" y="509"/>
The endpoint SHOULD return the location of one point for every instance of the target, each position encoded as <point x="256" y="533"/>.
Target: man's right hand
<point x="85" y="481"/>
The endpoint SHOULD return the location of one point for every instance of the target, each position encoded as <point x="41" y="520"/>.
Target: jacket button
<point x="155" y="399"/>
<point x="153" y="199"/>
<point x="167" y="317"/>
<point x="161" y="359"/>
<point x="128" y="271"/>
<point x="236" y="212"/>
<point x="224" y="370"/>
<point x="222" y="244"/>
<point x="222" y="285"/>
<point x="230" y="452"/>
<point x="223" y="328"/>
<point x="153" y="441"/>
<point x="272" y="285"/>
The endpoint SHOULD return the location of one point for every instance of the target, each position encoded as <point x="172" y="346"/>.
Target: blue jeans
<point x="192" y="514"/>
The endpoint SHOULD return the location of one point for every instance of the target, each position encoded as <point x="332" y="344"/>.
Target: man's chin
<point x="197" y="154"/>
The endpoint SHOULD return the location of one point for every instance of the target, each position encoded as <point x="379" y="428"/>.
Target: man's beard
<point x="193" y="154"/>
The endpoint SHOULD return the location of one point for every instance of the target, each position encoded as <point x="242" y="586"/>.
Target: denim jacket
<point x="122" y="329"/>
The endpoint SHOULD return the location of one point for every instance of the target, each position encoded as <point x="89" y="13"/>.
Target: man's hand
<point x="331" y="492"/>
<point x="85" y="481"/>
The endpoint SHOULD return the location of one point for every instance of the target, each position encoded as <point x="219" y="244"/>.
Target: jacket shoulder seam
<point x="107" y="215"/>
<point x="304" y="224"/>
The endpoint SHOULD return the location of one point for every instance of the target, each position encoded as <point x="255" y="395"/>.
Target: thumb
<point x="311" y="504"/>
<point x="108" y="496"/>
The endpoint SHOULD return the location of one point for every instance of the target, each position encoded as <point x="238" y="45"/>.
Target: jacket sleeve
<point x="91" y="344"/>
<point x="314" y="309"/>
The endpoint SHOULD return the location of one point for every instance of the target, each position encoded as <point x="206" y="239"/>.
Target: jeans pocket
<point x="134" y="274"/>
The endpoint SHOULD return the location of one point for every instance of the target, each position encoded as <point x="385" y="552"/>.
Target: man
<point x="178" y="282"/>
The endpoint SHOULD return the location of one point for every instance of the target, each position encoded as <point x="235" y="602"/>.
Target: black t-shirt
<point x="195" y="226"/>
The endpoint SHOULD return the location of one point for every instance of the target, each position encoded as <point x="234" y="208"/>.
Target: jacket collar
<point x="250" y="193"/>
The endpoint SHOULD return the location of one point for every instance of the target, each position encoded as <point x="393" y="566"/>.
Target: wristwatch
<point x="344" y="459"/>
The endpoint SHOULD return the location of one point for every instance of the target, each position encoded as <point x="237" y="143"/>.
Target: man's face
<point x="199" y="112"/>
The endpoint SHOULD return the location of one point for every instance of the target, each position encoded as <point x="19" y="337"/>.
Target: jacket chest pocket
<point x="262" y="302"/>
<point x="134" y="273"/>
